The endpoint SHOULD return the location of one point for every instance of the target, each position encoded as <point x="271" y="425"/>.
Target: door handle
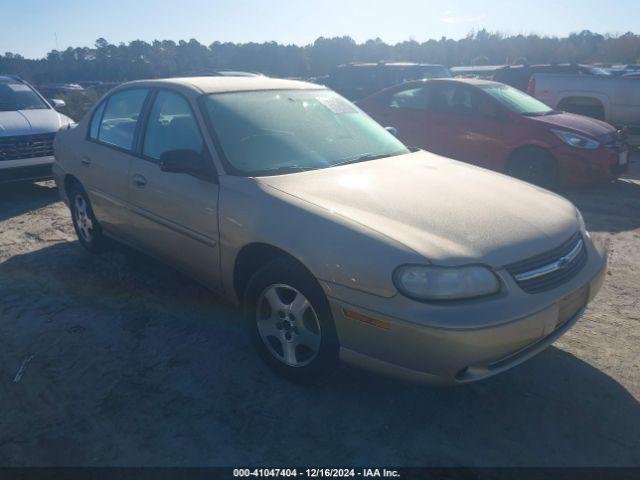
<point x="139" y="181"/>
<point x="85" y="162"/>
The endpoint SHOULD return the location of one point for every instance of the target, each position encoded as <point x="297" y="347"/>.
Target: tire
<point x="85" y="223"/>
<point x="534" y="165"/>
<point x="292" y="327"/>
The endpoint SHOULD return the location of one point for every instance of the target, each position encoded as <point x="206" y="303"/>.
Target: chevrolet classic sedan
<point x="337" y="241"/>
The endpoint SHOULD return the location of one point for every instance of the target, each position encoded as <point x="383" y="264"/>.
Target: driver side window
<point x="171" y="126"/>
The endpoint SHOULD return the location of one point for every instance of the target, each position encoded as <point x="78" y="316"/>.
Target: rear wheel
<point x="291" y="322"/>
<point x="84" y="221"/>
<point x="534" y="165"/>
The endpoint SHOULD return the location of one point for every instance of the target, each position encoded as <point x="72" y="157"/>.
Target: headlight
<point x="576" y="140"/>
<point x="444" y="283"/>
<point x="583" y="226"/>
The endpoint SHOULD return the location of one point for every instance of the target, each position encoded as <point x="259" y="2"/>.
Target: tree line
<point x="161" y="58"/>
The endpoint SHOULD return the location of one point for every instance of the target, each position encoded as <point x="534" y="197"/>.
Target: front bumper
<point x="584" y="167"/>
<point x="59" y="176"/>
<point x="455" y="344"/>
<point x="26" y="169"/>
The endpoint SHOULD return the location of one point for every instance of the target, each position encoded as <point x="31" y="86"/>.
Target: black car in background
<point x="358" y="80"/>
<point x="518" y="75"/>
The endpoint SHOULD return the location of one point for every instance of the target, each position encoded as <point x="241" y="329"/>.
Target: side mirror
<point x="392" y="130"/>
<point x="57" y="103"/>
<point x="182" y="161"/>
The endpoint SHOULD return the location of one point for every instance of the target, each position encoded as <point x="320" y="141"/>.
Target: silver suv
<point x="28" y="125"/>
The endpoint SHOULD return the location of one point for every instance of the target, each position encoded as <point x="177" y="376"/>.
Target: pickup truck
<point x="614" y="99"/>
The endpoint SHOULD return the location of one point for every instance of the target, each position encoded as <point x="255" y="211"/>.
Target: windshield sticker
<point x="337" y="105"/>
<point x="18" y="87"/>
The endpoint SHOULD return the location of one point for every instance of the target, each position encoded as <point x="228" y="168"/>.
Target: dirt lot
<point x="118" y="360"/>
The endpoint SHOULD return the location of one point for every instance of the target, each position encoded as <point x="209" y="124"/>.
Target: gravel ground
<point x="119" y="360"/>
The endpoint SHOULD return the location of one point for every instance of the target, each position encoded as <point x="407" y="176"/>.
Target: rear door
<point x="175" y="215"/>
<point x="106" y="156"/>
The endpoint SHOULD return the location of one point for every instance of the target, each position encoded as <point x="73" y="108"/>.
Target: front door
<point x="463" y="126"/>
<point x="175" y="215"/>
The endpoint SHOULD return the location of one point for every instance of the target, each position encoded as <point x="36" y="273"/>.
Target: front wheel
<point x="535" y="166"/>
<point x="291" y="322"/>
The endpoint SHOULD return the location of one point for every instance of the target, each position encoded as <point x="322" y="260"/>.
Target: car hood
<point x="450" y="212"/>
<point x="576" y="123"/>
<point x="29" y="122"/>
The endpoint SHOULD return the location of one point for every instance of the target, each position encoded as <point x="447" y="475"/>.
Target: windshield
<point x="277" y="131"/>
<point x="18" y="96"/>
<point x="516" y="100"/>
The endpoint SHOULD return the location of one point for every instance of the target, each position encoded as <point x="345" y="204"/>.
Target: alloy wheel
<point x="288" y="325"/>
<point x="83" y="221"/>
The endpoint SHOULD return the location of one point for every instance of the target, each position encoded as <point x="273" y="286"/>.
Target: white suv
<point x="28" y="125"/>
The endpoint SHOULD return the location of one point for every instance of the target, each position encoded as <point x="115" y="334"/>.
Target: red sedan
<point x="499" y="127"/>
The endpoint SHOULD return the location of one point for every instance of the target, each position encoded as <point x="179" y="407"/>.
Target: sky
<point x="34" y="27"/>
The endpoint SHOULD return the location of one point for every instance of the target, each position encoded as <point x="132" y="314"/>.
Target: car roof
<point x="222" y="84"/>
<point x="466" y="81"/>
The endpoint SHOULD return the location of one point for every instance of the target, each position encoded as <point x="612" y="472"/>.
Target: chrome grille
<point x="550" y="269"/>
<point x="26" y="146"/>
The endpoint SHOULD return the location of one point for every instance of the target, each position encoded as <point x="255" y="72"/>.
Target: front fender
<point x="335" y="249"/>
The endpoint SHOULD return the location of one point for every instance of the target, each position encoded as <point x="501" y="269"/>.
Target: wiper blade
<point x="302" y="168"/>
<point x="366" y="157"/>
<point x="286" y="169"/>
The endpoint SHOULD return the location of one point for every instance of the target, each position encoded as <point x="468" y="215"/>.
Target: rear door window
<point x="120" y="118"/>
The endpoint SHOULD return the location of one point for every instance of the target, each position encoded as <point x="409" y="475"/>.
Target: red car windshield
<point x="517" y="101"/>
